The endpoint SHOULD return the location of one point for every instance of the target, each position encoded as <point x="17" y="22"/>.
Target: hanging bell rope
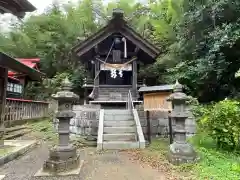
<point x="125" y="47"/>
<point x="92" y="93"/>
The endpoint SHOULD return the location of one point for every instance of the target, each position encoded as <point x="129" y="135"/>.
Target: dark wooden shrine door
<point x="114" y="81"/>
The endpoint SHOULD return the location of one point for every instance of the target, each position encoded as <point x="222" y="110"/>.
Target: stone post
<point x="180" y="150"/>
<point x="63" y="157"/>
<point x="85" y="91"/>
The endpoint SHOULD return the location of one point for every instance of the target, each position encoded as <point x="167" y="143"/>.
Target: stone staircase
<point x="118" y="130"/>
<point x="113" y="94"/>
<point x="16" y="131"/>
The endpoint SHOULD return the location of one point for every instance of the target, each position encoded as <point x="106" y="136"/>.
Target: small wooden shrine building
<point x="17" y="81"/>
<point x="113" y="56"/>
<point x="7" y="63"/>
<point x="155" y="97"/>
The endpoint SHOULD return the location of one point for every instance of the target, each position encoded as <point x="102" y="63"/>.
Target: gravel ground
<point x="106" y="165"/>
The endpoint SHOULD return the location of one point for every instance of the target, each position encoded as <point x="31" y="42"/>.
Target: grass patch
<point x="44" y="130"/>
<point x="214" y="164"/>
<point x="155" y="156"/>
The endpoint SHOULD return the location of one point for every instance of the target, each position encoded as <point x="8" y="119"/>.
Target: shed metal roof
<point x="156" y="88"/>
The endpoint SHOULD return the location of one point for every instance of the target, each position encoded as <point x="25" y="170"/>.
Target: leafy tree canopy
<point x="199" y="41"/>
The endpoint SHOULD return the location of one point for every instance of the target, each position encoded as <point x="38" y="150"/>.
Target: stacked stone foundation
<point x="87" y="116"/>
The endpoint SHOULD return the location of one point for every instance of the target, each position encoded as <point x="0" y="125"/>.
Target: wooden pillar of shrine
<point x="96" y="80"/>
<point x="134" y="77"/>
<point x="3" y="89"/>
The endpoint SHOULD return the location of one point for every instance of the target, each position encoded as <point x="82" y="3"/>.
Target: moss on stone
<point x="6" y="150"/>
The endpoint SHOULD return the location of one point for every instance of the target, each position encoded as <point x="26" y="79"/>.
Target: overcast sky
<point x="41" y="5"/>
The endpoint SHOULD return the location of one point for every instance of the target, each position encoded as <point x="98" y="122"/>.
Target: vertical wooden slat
<point x="134" y="77"/>
<point x="157" y="101"/>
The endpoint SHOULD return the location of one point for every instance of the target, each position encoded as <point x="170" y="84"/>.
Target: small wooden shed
<point x="155" y="97"/>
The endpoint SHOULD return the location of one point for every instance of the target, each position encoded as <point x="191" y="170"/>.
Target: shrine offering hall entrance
<point x="107" y="77"/>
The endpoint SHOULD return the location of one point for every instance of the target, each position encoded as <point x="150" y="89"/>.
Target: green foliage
<point x="214" y="163"/>
<point x="50" y="36"/>
<point x="44" y="130"/>
<point x="199" y="41"/>
<point x="208" y="50"/>
<point x="43" y="90"/>
<point x="222" y="123"/>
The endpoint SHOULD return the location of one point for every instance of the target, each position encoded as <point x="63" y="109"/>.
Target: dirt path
<point x="108" y="165"/>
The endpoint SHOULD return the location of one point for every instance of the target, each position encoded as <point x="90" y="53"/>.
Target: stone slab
<point x="2" y="176"/>
<point x="115" y="145"/>
<point x="20" y="147"/>
<point x="76" y="171"/>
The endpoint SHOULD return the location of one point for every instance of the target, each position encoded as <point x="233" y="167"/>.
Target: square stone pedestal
<point x="75" y="171"/>
<point x="63" y="160"/>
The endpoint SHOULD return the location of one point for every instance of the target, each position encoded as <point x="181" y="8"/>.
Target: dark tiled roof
<point x="16" y="7"/>
<point x="156" y="88"/>
<point x="116" y="25"/>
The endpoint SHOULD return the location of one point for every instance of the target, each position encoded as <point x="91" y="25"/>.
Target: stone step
<point x="115" y="89"/>
<point x="118" y="112"/>
<point x="119" y="123"/>
<point x="15" y="128"/>
<point x="113" y="93"/>
<point x="120" y="145"/>
<point x="15" y="134"/>
<point x="119" y="137"/>
<point x="108" y="92"/>
<point x="119" y="130"/>
<point x="108" y="99"/>
<point x="118" y="118"/>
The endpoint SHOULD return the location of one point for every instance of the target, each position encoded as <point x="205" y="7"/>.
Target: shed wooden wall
<point x="157" y="101"/>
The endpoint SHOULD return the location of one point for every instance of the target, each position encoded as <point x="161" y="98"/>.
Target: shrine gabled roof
<point x="16" y="7"/>
<point x="32" y="63"/>
<point x="17" y="66"/>
<point x="116" y="25"/>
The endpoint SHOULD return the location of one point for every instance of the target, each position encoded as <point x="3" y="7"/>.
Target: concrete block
<point x="154" y="129"/>
<point x="154" y="122"/>
<point x="20" y="147"/>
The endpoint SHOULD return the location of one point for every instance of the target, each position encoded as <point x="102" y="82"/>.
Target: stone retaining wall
<point x="159" y="123"/>
<point x="87" y="117"/>
<point x="86" y="120"/>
